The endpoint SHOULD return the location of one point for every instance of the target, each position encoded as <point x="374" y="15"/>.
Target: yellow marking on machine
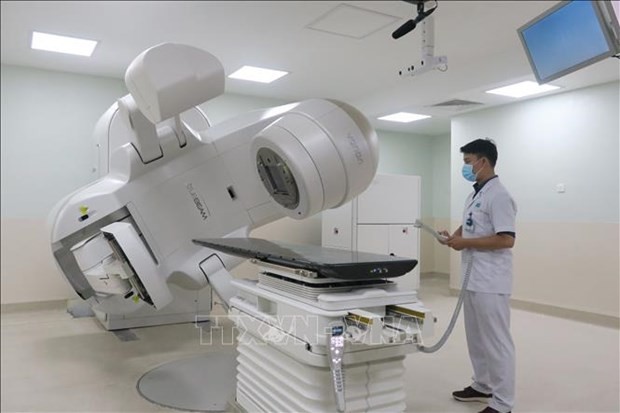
<point x="406" y="311"/>
<point x="359" y="319"/>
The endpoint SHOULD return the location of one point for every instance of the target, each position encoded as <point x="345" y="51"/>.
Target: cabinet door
<point x="337" y="227"/>
<point x="404" y="241"/>
<point x="390" y="199"/>
<point x="373" y="238"/>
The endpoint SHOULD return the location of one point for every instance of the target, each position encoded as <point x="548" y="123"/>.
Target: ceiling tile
<point x="352" y="21"/>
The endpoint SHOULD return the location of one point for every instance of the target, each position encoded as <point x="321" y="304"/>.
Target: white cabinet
<point x="380" y="220"/>
<point x="373" y="238"/>
<point x="390" y="199"/>
<point x="401" y="240"/>
<point x="337" y="230"/>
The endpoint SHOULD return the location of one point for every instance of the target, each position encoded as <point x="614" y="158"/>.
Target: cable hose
<point x="455" y="314"/>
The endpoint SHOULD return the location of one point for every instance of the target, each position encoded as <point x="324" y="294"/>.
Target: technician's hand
<point x="445" y="234"/>
<point x="457" y="243"/>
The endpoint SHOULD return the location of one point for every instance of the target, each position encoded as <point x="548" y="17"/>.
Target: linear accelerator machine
<point x="110" y="133"/>
<point x="176" y="208"/>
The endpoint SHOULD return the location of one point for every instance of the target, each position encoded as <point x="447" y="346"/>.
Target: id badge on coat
<point x="469" y="223"/>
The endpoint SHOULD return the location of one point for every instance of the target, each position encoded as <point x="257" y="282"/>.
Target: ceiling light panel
<point x="519" y="90"/>
<point x="62" y="44"/>
<point x="257" y="74"/>
<point x="403" y="117"/>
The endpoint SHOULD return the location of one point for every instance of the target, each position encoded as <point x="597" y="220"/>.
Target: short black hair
<point x="482" y="148"/>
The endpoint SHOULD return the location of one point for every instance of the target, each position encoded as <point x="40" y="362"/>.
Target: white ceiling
<point x="479" y="38"/>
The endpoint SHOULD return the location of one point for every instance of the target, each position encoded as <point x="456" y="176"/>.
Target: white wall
<point x="441" y="159"/>
<point x="428" y="157"/>
<point x="566" y="252"/>
<point x="47" y="147"/>
<point x="441" y="200"/>
<point x="408" y="154"/>
<point x="47" y="152"/>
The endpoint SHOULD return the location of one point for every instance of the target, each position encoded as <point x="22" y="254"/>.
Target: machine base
<point x="187" y="307"/>
<point x="269" y="380"/>
<point x="204" y="383"/>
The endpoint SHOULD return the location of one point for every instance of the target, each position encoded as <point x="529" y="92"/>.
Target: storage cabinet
<point x="380" y="220"/>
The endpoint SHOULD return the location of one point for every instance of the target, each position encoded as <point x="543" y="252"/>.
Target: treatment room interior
<point x="559" y="157"/>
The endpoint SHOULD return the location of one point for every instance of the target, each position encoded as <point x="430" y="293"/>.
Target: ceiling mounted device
<point x="428" y="60"/>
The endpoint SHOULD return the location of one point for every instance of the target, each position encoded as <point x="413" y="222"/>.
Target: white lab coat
<point x="491" y="210"/>
<point x="487" y="299"/>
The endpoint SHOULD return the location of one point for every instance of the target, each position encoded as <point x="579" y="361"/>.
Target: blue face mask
<point x="468" y="172"/>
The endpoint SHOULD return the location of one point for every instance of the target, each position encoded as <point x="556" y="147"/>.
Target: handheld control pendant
<point x="336" y="352"/>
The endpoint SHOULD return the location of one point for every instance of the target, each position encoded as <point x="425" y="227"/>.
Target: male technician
<point x="485" y="239"/>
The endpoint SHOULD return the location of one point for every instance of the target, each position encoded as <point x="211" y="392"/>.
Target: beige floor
<point x="51" y="362"/>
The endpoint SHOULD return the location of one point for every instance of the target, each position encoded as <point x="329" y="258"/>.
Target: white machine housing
<point x="169" y="184"/>
<point x="380" y="220"/>
<point x="283" y="342"/>
<point x="187" y="306"/>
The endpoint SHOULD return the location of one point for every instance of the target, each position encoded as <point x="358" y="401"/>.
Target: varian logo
<point x="356" y="148"/>
<point x="201" y="205"/>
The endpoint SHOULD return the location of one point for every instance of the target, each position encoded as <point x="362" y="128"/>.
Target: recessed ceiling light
<point x="519" y="90"/>
<point x="403" y="117"/>
<point x="257" y="74"/>
<point x="62" y="44"/>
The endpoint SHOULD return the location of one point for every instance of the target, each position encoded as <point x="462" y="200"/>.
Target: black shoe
<point x="470" y="395"/>
<point x="489" y="410"/>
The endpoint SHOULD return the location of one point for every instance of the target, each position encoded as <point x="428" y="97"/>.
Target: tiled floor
<point x="51" y="362"/>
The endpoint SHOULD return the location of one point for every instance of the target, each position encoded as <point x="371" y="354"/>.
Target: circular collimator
<point x="277" y="178"/>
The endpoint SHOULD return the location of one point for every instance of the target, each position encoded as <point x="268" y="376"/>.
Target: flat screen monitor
<point x="570" y="36"/>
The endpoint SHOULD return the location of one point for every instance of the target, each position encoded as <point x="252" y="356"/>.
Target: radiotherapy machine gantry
<point x="176" y="208"/>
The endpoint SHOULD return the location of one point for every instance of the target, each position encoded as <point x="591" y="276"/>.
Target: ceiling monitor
<point x="569" y="36"/>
